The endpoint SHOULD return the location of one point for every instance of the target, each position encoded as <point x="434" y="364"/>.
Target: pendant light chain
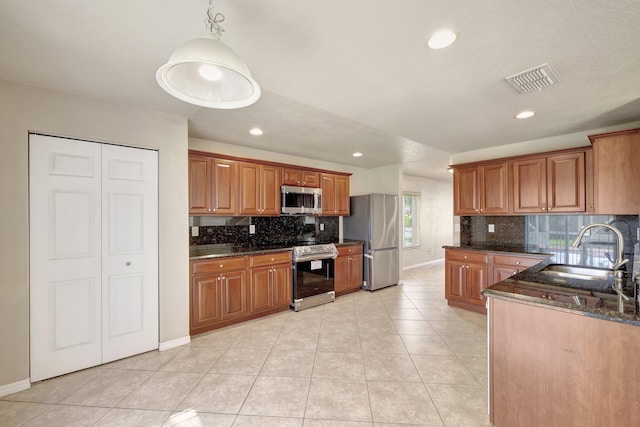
<point x="212" y="23"/>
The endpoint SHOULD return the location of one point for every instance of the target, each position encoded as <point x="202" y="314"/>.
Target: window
<point x="410" y="220"/>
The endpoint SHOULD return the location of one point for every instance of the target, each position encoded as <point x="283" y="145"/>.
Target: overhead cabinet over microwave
<point x="233" y="186"/>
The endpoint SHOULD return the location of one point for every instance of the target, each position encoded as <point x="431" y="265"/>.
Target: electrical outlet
<point x="492" y="228"/>
<point x="195" y="231"/>
<point x="252" y="229"/>
<point x="321" y="227"/>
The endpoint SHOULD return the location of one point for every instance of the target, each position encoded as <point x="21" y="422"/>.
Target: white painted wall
<point x="24" y="109"/>
<point x="436" y="219"/>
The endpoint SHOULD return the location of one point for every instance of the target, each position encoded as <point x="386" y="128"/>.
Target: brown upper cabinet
<point x="550" y="184"/>
<point x="335" y="194"/>
<point x="555" y="182"/>
<point x="259" y="189"/>
<point x="232" y="186"/>
<point x="616" y="156"/>
<point x="300" y="177"/>
<point x="212" y="185"/>
<point x="481" y="189"/>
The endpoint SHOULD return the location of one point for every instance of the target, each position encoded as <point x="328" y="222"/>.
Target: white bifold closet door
<point x="93" y="218"/>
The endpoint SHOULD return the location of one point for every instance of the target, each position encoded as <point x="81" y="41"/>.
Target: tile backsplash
<point x="268" y="230"/>
<point x="553" y="234"/>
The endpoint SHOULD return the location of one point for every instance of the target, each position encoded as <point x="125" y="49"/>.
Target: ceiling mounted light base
<point x="206" y="72"/>
<point x="536" y="78"/>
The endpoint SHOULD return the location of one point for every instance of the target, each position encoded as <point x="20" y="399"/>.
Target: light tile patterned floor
<point x="394" y="357"/>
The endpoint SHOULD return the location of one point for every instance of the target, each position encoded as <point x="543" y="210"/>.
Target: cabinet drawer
<point x="349" y="250"/>
<point x="219" y="265"/>
<point x="270" y="259"/>
<point x="462" y="256"/>
<point x="515" y="261"/>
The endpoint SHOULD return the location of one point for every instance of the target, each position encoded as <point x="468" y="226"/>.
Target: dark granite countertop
<point x="225" y="250"/>
<point x="493" y="247"/>
<point x="596" y="297"/>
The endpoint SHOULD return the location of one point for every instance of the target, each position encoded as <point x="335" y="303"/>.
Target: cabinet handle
<point x="208" y="209"/>
<point x="128" y="263"/>
<point x="544" y="209"/>
<point x="517" y="262"/>
<point x="221" y="265"/>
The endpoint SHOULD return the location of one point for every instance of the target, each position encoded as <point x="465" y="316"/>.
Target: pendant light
<point x="206" y="72"/>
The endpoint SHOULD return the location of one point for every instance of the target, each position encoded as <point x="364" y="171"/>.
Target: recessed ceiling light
<point x="442" y="39"/>
<point x="525" y="114"/>
<point x="357" y="154"/>
<point x="256" y="131"/>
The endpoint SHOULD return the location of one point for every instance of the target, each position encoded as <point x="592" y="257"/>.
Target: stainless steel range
<point x="313" y="273"/>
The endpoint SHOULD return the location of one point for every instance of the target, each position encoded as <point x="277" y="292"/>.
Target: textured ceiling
<point x="343" y="76"/>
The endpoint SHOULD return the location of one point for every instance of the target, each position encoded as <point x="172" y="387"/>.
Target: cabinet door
<point x="234" y="301"/>
<point x="282" y="285"/>
<point x="475" y="281"/>
<point x="500" y="273"/>
<point x="269" y="190"/>
<point x="530" y="185"/>
<point x="291" y="176"/>
<point x="455" y="276"/>
<point x="355" y="272"/>
<point x="341" y="189"/>
<point x="249" y="184"/>
<point x="566" y="182"/>
<point x="494" y="197"/>
<point x="465" y="191"/>
<point x="616" y="179"/>
<point x="224" y="187"/>
<point x="205" y="301"/>
<point x="261" y="289"/>
<point x="328" y="194"/>
<point x="310" y="179"/>
<point x="341" y="273"/>
<point x="200" y="185"/>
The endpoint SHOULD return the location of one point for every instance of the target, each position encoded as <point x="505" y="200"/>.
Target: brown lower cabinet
<point x="555" y="368"/>
<point x="348" y="269"/>
<point x="467" y="273"/>
<point x="229" y="290"/>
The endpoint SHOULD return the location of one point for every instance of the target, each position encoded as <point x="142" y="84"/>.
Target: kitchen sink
<point x="577" y="272"/>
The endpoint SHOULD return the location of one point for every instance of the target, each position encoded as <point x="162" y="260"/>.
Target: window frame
<point x="415" y="225"/>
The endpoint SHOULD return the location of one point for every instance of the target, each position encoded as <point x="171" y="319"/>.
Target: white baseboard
<point x="435" y="261"/>
<point x="15" y="387"/>
<point x="168" y="345"/>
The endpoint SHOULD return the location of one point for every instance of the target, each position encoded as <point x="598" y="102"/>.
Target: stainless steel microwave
<point x="300" y="200"/>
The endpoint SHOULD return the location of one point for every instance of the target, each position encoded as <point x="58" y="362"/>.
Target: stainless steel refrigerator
<point x="374" y="219"/>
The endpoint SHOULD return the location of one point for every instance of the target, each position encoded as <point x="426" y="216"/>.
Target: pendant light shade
<point x="208" y="73"/>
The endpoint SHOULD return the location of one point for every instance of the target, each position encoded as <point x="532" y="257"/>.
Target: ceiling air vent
<point x="536" y="78"/>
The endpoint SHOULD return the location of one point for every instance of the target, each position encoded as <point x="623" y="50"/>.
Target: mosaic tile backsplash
<point x="285" y="230"/>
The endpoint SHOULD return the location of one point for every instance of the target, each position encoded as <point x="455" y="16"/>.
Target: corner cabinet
<point x="616" y="156"/>
<point x="335" y="194"/>
<point x="466" y="275"/>
<point x="348" y="269"/>
<point x="259" y="189"/>
<point x="481" y="189"/>
<point x="212" y="186"/>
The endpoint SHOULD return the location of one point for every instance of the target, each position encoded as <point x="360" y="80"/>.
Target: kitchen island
<point x="560" y="354"/>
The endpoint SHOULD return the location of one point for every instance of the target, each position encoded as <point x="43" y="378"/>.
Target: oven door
<point x="312" y="277"/>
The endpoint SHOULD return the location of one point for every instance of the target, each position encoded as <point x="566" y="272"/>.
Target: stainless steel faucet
<point x="618" y="282"/>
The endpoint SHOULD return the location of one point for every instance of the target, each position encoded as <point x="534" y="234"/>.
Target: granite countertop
<point x="493" y="247"/>
<point x="596" y="297"/>
<point x="226" y="249"/>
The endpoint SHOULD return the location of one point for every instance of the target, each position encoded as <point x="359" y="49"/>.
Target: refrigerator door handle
<point x="368" y="256"/>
